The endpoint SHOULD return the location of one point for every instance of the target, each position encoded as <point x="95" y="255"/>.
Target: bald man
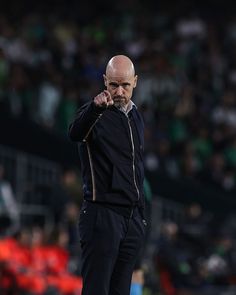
<point x="109" y="130"/>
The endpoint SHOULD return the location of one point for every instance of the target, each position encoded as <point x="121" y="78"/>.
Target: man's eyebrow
<point x="117" y="84"/>
<point x="113" y="83"/>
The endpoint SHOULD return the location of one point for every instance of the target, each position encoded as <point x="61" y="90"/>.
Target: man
<point x="111" y="225"/>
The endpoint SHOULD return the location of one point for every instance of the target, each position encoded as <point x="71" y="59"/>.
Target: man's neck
<point x="126" y="108"/>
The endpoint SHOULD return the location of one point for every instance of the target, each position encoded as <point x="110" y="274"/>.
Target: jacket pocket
<point x="122" y="178"/>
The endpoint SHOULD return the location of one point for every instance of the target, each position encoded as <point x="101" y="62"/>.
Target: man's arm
<point x="88" y="115"/>
<point x="85" y="119"/>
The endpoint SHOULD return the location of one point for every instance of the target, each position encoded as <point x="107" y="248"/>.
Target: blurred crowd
<point x="197" y="255"/>
<point x="33" y="263"/>
<point x="37" y="256"/>
<point x="51" y="64"/>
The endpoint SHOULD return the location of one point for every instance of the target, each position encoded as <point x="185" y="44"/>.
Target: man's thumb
<point x="110" y="102"/>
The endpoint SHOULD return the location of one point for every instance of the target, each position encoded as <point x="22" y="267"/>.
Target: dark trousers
<point x="110" y="245"/>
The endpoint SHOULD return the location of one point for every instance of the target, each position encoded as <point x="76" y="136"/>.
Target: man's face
<point x="120" y="88"/>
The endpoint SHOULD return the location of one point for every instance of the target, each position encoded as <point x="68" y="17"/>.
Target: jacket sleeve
<point x="84" y="121"/>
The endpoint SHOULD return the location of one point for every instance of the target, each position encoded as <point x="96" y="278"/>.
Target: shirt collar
<point x="128" y="107"/>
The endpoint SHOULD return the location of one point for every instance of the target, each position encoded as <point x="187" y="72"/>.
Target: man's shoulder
<point x="138" y="113"/>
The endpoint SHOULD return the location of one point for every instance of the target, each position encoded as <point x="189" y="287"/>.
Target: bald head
<point x="120" y="66"/>
<point x="120" y="79"/>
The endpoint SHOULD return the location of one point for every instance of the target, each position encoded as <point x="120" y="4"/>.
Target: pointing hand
<point x="103" y="99"/>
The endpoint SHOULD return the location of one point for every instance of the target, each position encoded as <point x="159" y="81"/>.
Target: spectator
<point x="9" y="209"/>
<point x="70" y="223"/>
<point x="196" y="227"/>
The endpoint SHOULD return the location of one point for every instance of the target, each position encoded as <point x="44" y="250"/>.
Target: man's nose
<point x="119" y="90"/>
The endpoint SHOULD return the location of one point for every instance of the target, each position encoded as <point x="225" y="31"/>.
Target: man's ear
<point x="135" y="80"/>
<point x="105" y="80"/>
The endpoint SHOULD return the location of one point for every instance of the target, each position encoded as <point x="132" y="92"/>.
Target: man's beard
<point x="119" y="101"/>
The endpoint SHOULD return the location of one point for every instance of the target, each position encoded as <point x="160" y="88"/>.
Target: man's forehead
<point x="120" y="78"/>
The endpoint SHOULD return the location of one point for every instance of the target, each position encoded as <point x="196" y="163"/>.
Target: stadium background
<point x="52" y="58"/>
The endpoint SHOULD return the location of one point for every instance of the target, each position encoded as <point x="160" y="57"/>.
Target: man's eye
<point x="124" y="86"/>
<point x="113" y="86"/>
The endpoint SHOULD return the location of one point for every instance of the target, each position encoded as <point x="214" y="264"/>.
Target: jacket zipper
<point x="90" y="158"/>
<point x="92" y="171"/>
<point x="133" y="155"/>
<point x="90" y="129"/>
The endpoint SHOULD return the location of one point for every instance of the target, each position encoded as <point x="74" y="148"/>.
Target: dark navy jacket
<point x="111" y="153"/>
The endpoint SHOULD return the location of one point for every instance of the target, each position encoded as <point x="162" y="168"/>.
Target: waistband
<point x="126" y="211"/>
